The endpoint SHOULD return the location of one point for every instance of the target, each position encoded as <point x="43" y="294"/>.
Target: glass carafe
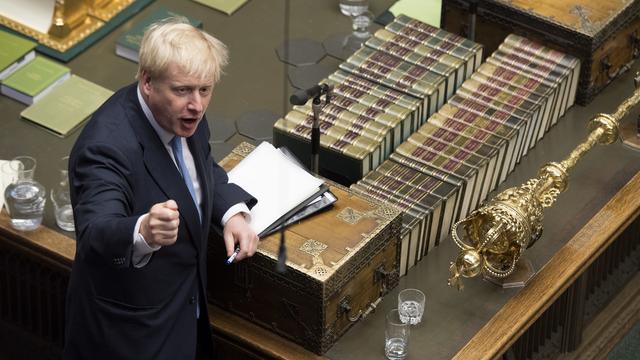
<point x="61" y="198"/>
<point x="24" y="197"/>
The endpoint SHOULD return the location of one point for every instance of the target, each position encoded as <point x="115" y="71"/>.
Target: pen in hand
<point x="233" y="256"/>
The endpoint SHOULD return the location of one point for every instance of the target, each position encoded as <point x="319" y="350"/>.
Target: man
<point x="145" y="192"/>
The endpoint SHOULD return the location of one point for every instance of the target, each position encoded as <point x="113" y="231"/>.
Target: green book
<point x="15" y="52"/>
<point x="34" y="80"/>
<point x="66" y="107"/>
<point x="427" y="11"/>
<point x="128" y="44"/>
<point x="226" y="6"/>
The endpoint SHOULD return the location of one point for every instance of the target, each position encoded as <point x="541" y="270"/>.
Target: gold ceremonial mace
<point x="494" y="236"/>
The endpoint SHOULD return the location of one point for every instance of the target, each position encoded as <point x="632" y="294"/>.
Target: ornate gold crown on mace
<point x="493" y="237"/>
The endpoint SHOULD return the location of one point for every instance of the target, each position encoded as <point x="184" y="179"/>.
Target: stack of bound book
<point x="25" y="76"/>
<point x="448" y="166"/>
<point x="382" y="93"/>
<point x="57" y="101"/>
<point x="128" y="44"/>
<point x="15" y="52"/>
<point x="35" y="79"/>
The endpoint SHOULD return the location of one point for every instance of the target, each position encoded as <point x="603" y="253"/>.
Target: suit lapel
<point x="162" y="170"/>
<point x="204" y="177"/>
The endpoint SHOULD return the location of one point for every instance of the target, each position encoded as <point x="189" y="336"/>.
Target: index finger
<point x="171" y="204"/>
<point x="248" y="244"/>
<point x="229" y="242"/>
<point x="167" y="214"/>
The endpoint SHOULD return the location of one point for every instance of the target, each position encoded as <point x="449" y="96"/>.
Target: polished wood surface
<point x="42" y="240"/>
<point x="585" y="16"/>
<point x="618" y="51"/>
<point x="611" y="325"/>
<point x="228" y="327"/>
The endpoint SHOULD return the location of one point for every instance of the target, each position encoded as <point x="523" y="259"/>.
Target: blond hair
<point x="175" y="41"/>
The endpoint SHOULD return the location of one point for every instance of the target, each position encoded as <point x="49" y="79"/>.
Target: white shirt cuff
<point x="141" y="250"/>
<point x="237" y="208"/>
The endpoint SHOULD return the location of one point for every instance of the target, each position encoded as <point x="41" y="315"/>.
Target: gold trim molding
<point x="73" y="21"/>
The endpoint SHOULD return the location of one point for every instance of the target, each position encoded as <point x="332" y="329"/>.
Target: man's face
<point x="178" y="101"/>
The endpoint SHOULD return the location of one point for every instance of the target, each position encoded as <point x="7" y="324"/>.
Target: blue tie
<point x="176" y="146"/>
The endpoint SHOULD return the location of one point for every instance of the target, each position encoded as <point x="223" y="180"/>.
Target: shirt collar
<point x="164" y="135"/>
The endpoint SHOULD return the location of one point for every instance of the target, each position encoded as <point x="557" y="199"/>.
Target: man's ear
<point x="145" y="81"/>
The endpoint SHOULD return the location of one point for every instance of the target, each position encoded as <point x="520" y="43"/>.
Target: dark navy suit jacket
<point x="119" y="168"/>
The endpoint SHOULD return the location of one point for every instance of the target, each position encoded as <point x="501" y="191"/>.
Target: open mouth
<point x="189" y="120"/>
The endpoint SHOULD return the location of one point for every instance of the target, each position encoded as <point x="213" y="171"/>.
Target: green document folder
<point x="226" y="6"/>
<point x="427" y="11"/>
<point x="67" y="106"/>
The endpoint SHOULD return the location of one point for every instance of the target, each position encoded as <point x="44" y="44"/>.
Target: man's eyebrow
<point x="191" y="85"/>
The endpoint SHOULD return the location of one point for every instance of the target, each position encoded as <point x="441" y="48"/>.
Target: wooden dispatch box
<point x="604" y="35"/>
<point x="339" y="265"/>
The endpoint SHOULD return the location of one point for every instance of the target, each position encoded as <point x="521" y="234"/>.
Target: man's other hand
<point x="238" y="231"/>
<point x="160" y="226"/>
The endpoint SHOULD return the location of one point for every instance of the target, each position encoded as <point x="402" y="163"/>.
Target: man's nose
<point x="196" y="102"/>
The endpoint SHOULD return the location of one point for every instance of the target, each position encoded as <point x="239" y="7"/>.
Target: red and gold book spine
<point x="419" y="48"/>
<point x="491" y="120"/>
<point x="516" y="79"/>
<point x="471" y="58"/>
<point x="415" y="76"/>
<point x="438" y="33"/>
<point x="452" y="165"/>
<point x="410" y="56"/>
<point x="336" y="138"/>
<point x="532" y="47"/>
<point x="496" y="104"/>
<point x="342" y="117"/>
<point x="383" y="92"/>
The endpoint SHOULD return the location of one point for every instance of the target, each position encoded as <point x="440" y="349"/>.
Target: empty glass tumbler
<point x="61" y="198"/>
<point x="24" y="197"/>
<point x="396" y="336"/>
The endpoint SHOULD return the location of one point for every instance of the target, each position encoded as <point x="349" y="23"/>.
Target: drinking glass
<point x="411" y="305"/>
<point x="61" y="198"/>
<point x="396" y="336"/>
<point x="360" y="25"/>
<point x="353" y="7"/>
<point x="24" y="197"/>
<point x="360" y="34"/>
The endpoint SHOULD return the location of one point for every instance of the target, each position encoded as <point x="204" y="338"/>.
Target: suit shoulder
<point x="111" y="122"/>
